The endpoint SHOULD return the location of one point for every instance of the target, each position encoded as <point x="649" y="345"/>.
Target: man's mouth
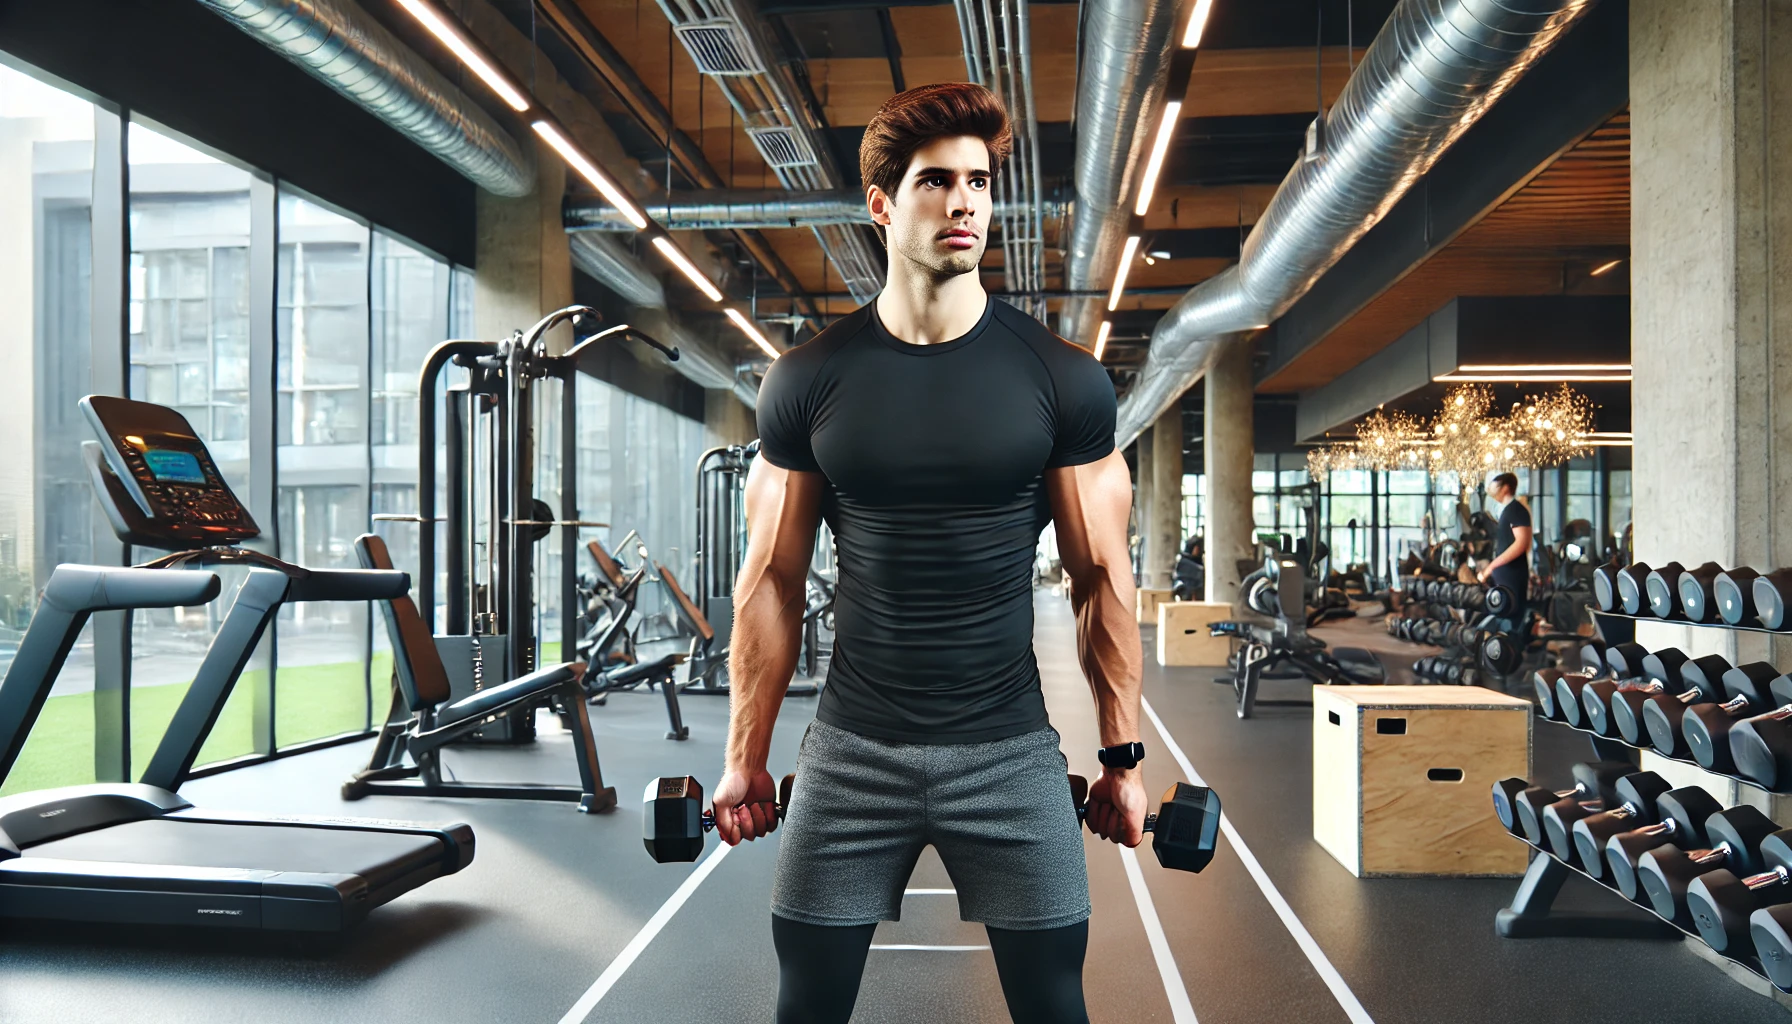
<point x="960" y="238"/>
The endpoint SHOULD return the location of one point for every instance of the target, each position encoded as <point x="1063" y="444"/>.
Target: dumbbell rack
<point x="1526" y="918"/>
<point x="1623" y="749"/>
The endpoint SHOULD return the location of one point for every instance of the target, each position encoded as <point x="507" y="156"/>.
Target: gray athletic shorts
<point x="998" y="813"/>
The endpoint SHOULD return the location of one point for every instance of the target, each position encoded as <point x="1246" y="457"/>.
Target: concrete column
<point x="1163" y="516"/>
<point x="1711" y="242"/>
<point x="727" y="420"/>
<point x="524" y="268"/>
<point x="1230" y="442"/>
<point x="1143" y="450"/>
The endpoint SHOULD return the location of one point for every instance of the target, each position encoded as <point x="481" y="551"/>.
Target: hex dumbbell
<point x="1680" y="822"/>
<point x="1761" y="747"/>
<point x="1662" y="590"/>
<point x="1735" y="835"/>
<point x="1706" y="727"/>
<point x="1605" y="587"/>
<point x="1698" y="599"/>
<point x="1593" y="781"/>
<point x="1633" y="796"/>
<point x="673" y="822"/>
<point x="1702" y="683"/>
<point x="1639" y="797"/>
<point x="1773" y="599"/>
<point x="1720" y="902"/>
<point x="1661" y="675"/>
<point x="1734" y="592"/>
<point x="1633" y="591"/>
<point x="1543" y="681"/>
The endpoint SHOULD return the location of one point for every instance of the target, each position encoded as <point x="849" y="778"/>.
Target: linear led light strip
<point x="1197" y="23"/>
<point x="444" y="29"/>
<point x="1126" y="255"/>
<point x="1101" y="338"/>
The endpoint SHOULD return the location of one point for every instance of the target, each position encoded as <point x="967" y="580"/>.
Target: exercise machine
<point x="1287" y="643"/>
<point x="139" y="853"/>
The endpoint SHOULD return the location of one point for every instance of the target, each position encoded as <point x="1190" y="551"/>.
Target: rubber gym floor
<point x="549" y="922"/>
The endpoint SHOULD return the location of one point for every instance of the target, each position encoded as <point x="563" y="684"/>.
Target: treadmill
<point x="138" y="853"/>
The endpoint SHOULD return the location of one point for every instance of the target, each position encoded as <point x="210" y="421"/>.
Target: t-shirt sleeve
<point x="784" y="416"/>
<point x="1086" y="412"/>
<point x="1516" y="515"/>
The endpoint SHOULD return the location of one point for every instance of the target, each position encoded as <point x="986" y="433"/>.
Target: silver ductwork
<point x="998" y="56"/>
<point x="610" y="262"/>
<point x="342" y="46"/>
<point x="731" y="44"/>
<point x="1436" y="67"/>
<point x="1121" y="73"/>
<point x="726" y="209"/>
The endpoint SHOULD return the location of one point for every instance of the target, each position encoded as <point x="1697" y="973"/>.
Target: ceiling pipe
<point x="1122" y="72"/>
<point x="724" y="209"/>
<point x="609" y="261"/>
<point x="342" y="46"/>
<point x="1434" y="69"/>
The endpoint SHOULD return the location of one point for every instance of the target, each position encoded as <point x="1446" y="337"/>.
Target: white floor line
<point x="930" y="892"/>
<point x="1353" y="1008"/>
<point x="625" y="959"/>
<point x="1181" y="1010"/>
<point x="932" y="949"/>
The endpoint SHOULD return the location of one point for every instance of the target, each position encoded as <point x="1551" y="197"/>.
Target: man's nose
<point x="964" y="200"/>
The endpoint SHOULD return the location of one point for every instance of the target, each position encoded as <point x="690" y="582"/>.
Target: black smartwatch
<point x="1124" y="755"/>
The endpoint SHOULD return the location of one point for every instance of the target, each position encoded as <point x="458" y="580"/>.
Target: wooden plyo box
<point x="1177" y="646"/>
<point x="1402" y="776"/>
<point x="1148" y="600"/>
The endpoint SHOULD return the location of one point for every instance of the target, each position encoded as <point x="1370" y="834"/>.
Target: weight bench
<point x="424" y="718"/>
<point x="709" y="663"/>
<point x="1287" y="643"/>
<point x="599" y="676"/>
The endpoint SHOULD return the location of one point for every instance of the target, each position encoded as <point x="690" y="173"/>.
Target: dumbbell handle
<point x="1661" y="828"/>
<point x="1082" y="813"/>
<point x="1712" y="856"/>
<point x="1778" y="876"/>
<point x="709" y="816"/>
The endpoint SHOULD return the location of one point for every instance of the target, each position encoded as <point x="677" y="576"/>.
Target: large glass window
<point x="322" y="337"/>
<point x="189" y="349"/>
<point x="46" y="201"/>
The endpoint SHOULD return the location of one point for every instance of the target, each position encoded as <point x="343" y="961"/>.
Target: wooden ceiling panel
<point x="1231" y="83"/>
<point x="851" y="89"/>
<point x="1538" y="242"/>
<point x="1218" y="206"/>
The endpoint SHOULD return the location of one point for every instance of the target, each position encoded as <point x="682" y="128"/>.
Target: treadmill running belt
<point x="379" y="857"/>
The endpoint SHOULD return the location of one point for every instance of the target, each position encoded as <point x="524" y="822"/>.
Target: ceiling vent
<point x="782" y="146"/>
<point x="719" y="48"/>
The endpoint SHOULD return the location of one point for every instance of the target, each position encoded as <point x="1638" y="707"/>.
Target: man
<point x="1511" y="563"/>
<point x="938" y="431"/>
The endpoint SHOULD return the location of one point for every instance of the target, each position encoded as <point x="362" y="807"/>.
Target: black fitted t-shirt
<point x="1516" y="574"/>
<point x="934" y="457"/>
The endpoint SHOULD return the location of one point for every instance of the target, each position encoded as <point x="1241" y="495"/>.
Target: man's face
<point x="939" y="217"/>
<point x="1501" y="493"/>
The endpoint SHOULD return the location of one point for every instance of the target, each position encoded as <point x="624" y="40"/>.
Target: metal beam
<point x="1573" y="90"/>
<point x="615" y="70"/>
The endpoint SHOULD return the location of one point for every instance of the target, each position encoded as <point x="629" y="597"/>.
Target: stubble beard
<point x="942" y="266"/>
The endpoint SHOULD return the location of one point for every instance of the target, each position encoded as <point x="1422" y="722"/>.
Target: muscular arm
<point x="783" y="511"/>
<point x="1090" y="507"/>
<point x="1521" y="546"/>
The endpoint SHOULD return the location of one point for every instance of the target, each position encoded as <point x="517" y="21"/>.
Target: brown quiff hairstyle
<point x="909" y="120"/>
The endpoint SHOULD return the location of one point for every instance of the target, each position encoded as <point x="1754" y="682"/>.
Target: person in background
<point x="1510" y="565"/>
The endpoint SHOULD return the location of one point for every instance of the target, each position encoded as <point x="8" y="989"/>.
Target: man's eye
<point x="980" y="183"/>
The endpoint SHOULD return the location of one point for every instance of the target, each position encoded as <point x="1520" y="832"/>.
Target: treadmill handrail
<point x="72" y="595"/>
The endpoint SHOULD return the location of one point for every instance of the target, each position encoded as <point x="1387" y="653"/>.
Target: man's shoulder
<point x="1060" y="357"/>
<point x="803" y="362"/>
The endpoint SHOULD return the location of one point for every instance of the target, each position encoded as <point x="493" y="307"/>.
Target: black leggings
<point x="819" y="968"/>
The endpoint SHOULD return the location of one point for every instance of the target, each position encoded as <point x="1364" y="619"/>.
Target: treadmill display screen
<point x="174" y="467"/>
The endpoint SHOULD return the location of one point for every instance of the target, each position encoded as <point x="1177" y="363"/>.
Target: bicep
<point x="783" y="512"/>
<point x="1091" y="505"/>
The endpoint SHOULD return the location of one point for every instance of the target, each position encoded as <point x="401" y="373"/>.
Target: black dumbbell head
<point x="1697" y="601"/>
<point x="1734" y="593"/>
<point x="1568" y="691"/>
<point x="1625" y="661"/>
<point x="1593" y="780"/>
<point x="1681" y="816"/>
<point x="1720" y="903"/>
<point x="1500" y="601"/>
<point x="1595" y="702"/>
<point x="1499" y="653"/>
<point x="1773" y="944"/>
<point x="1663" y="667"/>
<point x="1706" y="727"/>
<point x="1662" y="589"/>
<point x="1637" y="796"/>
<point x="1625" y="711"/>
<point x="1633" y="595"/>
<point x="1187" y="828"/>
<point x="1773" y="596"/>
<point x="1762" y="747"/>
<point x="672" y="819"/>
<point x="1543" y="681"/>
<point x="1453" y="671"/>
<point x="1706" y="675"/>
<point x="1592" y="658"/>
<point x="1666" y="874"/>
<point x="1605" y="588"/>
<point x="1662" y="716"/>
<point x="1505" y="806"/>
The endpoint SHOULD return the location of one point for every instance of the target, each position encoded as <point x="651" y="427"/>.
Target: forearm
<point x="1511" y="554"/>
<point x="762" y="658"/>
<point x="1107" y="640"/>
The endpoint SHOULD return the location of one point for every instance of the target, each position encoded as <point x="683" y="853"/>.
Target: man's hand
<point x="1483" y="573"/>
<point x="1116" y="807"/>
<point x="746" y="806"/>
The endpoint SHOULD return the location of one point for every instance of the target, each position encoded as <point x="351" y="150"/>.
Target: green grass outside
<point x="313" y="701"/>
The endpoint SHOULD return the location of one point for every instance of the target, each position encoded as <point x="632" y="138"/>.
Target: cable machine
<point x="491" y="513"/>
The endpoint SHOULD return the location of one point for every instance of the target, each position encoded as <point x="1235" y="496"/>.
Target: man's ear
<point x="879" y="203"/>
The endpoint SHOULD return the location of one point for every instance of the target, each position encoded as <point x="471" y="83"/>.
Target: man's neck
<point x="920" y="309"/>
